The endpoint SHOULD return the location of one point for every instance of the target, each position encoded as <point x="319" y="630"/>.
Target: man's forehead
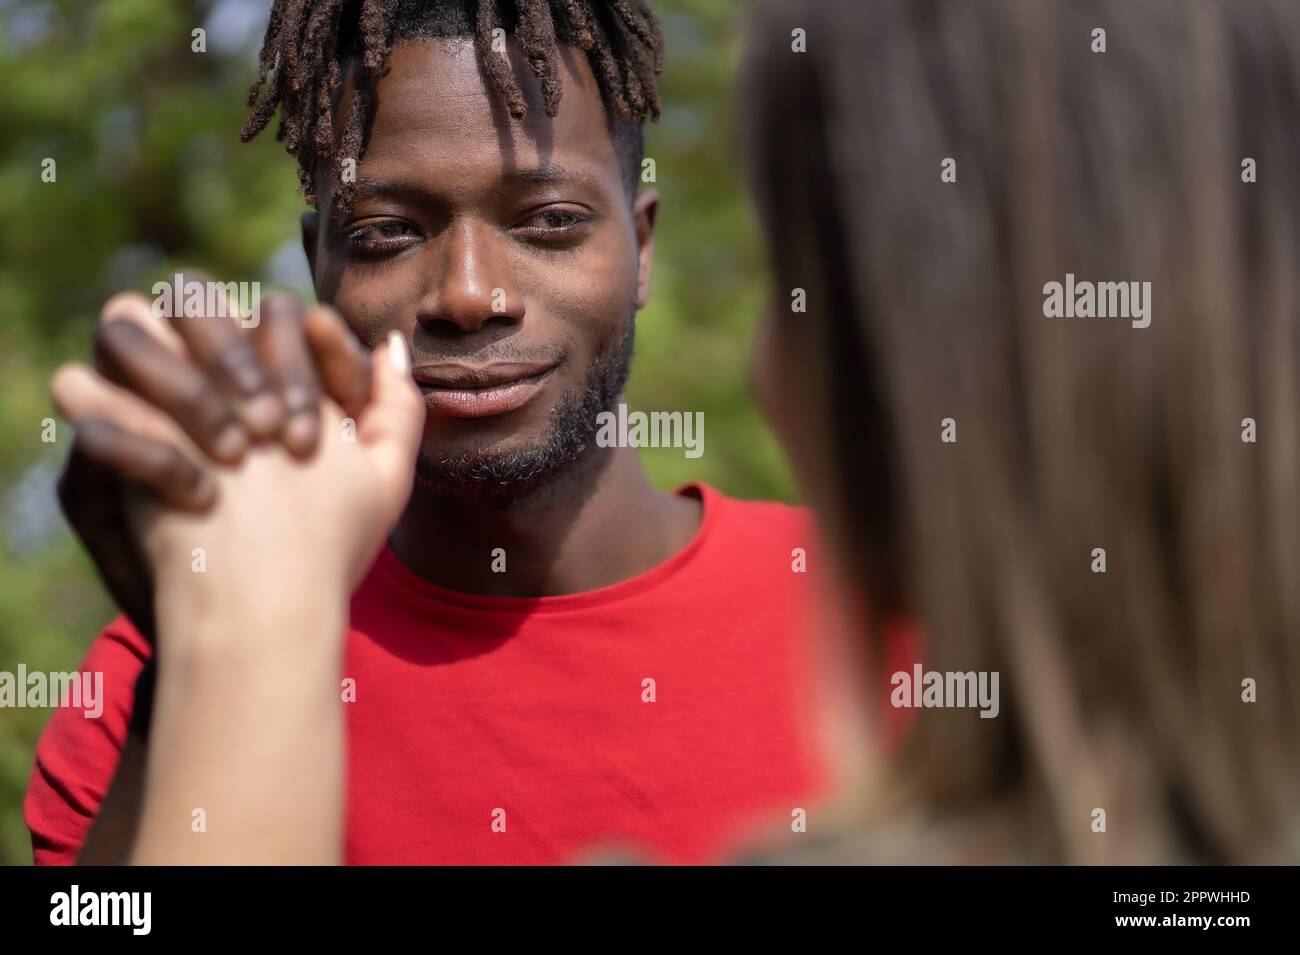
<point x="437" y="91"/>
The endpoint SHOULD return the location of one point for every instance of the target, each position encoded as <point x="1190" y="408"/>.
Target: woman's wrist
<point x="212" y="625"/>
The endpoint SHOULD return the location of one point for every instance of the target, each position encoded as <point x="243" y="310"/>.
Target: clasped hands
<point x="216" y="463"/>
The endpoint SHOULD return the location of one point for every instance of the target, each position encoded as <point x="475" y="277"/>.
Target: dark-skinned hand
<point x="185" y="392"/>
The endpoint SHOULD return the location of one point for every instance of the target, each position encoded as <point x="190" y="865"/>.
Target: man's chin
<point x="500" y="474"/>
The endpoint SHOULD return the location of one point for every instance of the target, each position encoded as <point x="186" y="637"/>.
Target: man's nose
<point x="472" y="285"/>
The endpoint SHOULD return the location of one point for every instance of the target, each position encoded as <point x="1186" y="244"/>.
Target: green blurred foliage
<point x="151" y="177"/>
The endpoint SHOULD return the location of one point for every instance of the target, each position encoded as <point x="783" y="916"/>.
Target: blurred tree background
<point x="150" y="177"/>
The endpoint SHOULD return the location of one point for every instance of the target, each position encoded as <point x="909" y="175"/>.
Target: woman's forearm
<point x="246" y="750"/>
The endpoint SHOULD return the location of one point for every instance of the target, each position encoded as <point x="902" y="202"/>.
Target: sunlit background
<point x="151" y="177"/>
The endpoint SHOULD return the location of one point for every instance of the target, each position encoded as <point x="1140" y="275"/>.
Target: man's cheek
<point x="370" y="317"/>
<point x="595" y="289"/>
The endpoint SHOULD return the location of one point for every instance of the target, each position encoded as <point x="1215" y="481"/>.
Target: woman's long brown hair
<point x="1120" y="690"/>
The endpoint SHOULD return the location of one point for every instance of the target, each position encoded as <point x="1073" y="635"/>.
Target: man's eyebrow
<point x="545" y="174"/>
<point x="368" y="188"/>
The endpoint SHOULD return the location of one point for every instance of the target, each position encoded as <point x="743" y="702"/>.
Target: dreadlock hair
<point x="310" y="45"/>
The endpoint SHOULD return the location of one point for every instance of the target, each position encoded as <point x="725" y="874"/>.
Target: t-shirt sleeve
<point x="77" y="755"/>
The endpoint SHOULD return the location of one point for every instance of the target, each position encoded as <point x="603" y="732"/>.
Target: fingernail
<point x="301" y="432"/>
<point x="230" y="444"/>
<point x="247" y="379"/>
<point x="397" y="353"/>
<point x="263" y="414"/>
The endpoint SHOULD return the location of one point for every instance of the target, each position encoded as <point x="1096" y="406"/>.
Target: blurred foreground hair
<point x="1120" y="690"/>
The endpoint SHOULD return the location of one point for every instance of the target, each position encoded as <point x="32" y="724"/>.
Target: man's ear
<point x="644" y="210"/>
<point x="310" y="229"/>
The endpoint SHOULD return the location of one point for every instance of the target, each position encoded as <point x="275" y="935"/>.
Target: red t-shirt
<point x="472" y="711"/>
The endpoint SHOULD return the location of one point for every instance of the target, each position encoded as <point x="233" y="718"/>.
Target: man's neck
<point x="600" y="523"/>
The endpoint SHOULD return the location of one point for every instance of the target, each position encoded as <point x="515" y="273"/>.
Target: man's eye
<point x="553" y="222"/>
<point x="375" y="239"/>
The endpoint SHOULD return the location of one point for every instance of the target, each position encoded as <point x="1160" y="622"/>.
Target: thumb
<point x="391" y="425"/>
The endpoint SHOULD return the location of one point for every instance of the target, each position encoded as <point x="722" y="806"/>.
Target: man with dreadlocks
<point x="547" y="653"/>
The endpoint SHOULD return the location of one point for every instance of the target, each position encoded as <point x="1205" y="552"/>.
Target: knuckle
<point x="238" y="362"/>
<point x="301" y="393"/>
<point x="198" y="403"/>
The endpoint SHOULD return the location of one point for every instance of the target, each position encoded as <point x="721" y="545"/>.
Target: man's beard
<point x="496" y="476"/>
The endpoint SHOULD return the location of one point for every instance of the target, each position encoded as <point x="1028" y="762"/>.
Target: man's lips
<point x="479" y="391"/>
